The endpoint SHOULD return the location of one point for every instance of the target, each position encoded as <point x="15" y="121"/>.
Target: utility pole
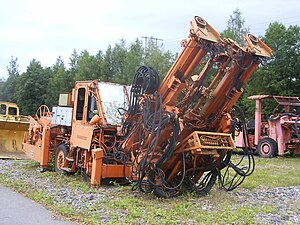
<point x="145" y="41"/>
<point x="151" y="38"/>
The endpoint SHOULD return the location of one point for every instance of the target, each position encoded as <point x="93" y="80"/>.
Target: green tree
<point x="2" y="86"/>
<point x="100" y="71"/>
<point x="9" y="86"/>
<point x="108" y="75"/>
<point x="281" y="74"/>
<point x="235" y="27"/>
<point x="158" y="59"/>
<point x="60" y="81"/>
<point x="74" y="60"/>
<point x="13" y="67"/>
<point x="133" y="60"/>
<point x="87" y="67"/>
<point x="32" y="87"/>
<point x="118" y="59"/>
<point x="73" y="63"/>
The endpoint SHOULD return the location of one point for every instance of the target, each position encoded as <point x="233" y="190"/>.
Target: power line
<point x="261" y="28"/>
<point x="279" y="19"/>
<point x="151" y="38"/>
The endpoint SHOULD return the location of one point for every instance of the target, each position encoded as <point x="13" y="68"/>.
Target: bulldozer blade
<point x="12" y="131"/>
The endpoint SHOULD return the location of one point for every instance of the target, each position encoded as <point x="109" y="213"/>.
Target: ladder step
<point x="68" y="170"/>
<point x="70" y="159"/>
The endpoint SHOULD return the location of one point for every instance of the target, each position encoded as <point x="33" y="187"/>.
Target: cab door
<point x="82" y="132"/>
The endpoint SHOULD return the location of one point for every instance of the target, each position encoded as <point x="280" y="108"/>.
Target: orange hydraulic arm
<point x="188" y="60"/>
<point x="242" y="63"/>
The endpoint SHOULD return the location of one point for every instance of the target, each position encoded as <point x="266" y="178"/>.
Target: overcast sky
<point x="44" y="30"/>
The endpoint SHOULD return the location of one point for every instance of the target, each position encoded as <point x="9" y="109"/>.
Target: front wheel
<point x="60" y="157"/>
<point x="267" y="148"/>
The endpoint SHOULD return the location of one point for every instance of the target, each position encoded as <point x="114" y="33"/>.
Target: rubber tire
<point x="269" y="143"/>
<point x="61" y="150"/>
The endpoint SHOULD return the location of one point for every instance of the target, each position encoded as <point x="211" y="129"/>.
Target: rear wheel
<point x="60" y="157"/>
<point x="267" y="148"/>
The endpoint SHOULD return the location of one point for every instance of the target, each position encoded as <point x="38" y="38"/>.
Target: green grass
<point x="182" y="210"/>
<point x="121" y="205"/>
<point x="274" y="172"/>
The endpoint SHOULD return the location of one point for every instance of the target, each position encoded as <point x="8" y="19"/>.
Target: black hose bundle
<point x="154" y="121"/>
<point x="145" y="81"/>
<point x="234" y="174"/>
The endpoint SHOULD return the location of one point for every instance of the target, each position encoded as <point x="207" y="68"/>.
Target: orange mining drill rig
<point x="167" y="138"/>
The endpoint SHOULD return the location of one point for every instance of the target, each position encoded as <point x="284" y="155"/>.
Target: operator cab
<point x="114" y="97"/>
<point x="7" y="108"/>
<point x="106" y="104"/>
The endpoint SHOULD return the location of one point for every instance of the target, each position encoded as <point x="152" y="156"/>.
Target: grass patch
<point x="274" y="172"/>
<point x="182" y="210"/>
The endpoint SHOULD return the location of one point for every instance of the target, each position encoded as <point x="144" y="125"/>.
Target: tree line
<point x="279" y="75"/>
<point x="42" y="85"/>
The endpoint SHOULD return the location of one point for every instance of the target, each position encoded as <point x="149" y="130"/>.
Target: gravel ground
<point x="286" y="200"/>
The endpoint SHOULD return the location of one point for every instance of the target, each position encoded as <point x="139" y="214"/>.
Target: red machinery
<point x="174" y="136"/>
<point x="280" y="133"/>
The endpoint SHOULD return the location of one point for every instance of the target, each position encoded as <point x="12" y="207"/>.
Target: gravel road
<point x="286" y="200"/>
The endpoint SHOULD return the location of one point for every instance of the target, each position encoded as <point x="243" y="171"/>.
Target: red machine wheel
<point x="43" y="110"/>
<point x="267" y="148"/>
<point x="60" y="157"/>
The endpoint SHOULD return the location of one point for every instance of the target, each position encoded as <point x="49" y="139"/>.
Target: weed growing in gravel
<point x="42" y="197"/>
<point x="29" y="164"/>
<point x="16" y="185"/>
<point x="65" y="210"/>
<point x="135" y="209"/>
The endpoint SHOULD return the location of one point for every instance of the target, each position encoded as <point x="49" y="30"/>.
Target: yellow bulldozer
<point x="12" y="128"/>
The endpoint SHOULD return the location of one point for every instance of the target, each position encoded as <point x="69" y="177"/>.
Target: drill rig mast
<point x="180" y="131"/>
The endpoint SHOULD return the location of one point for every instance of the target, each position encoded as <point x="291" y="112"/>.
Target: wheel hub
<point x="266" y="148"/>
<point x="60" y="160"/>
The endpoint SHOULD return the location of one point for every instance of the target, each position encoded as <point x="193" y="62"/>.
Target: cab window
<point x="92" y="107"/>
<point x="12" y="111"/>
<point x="80" y="103"/>
<point x="2" y="109"/>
